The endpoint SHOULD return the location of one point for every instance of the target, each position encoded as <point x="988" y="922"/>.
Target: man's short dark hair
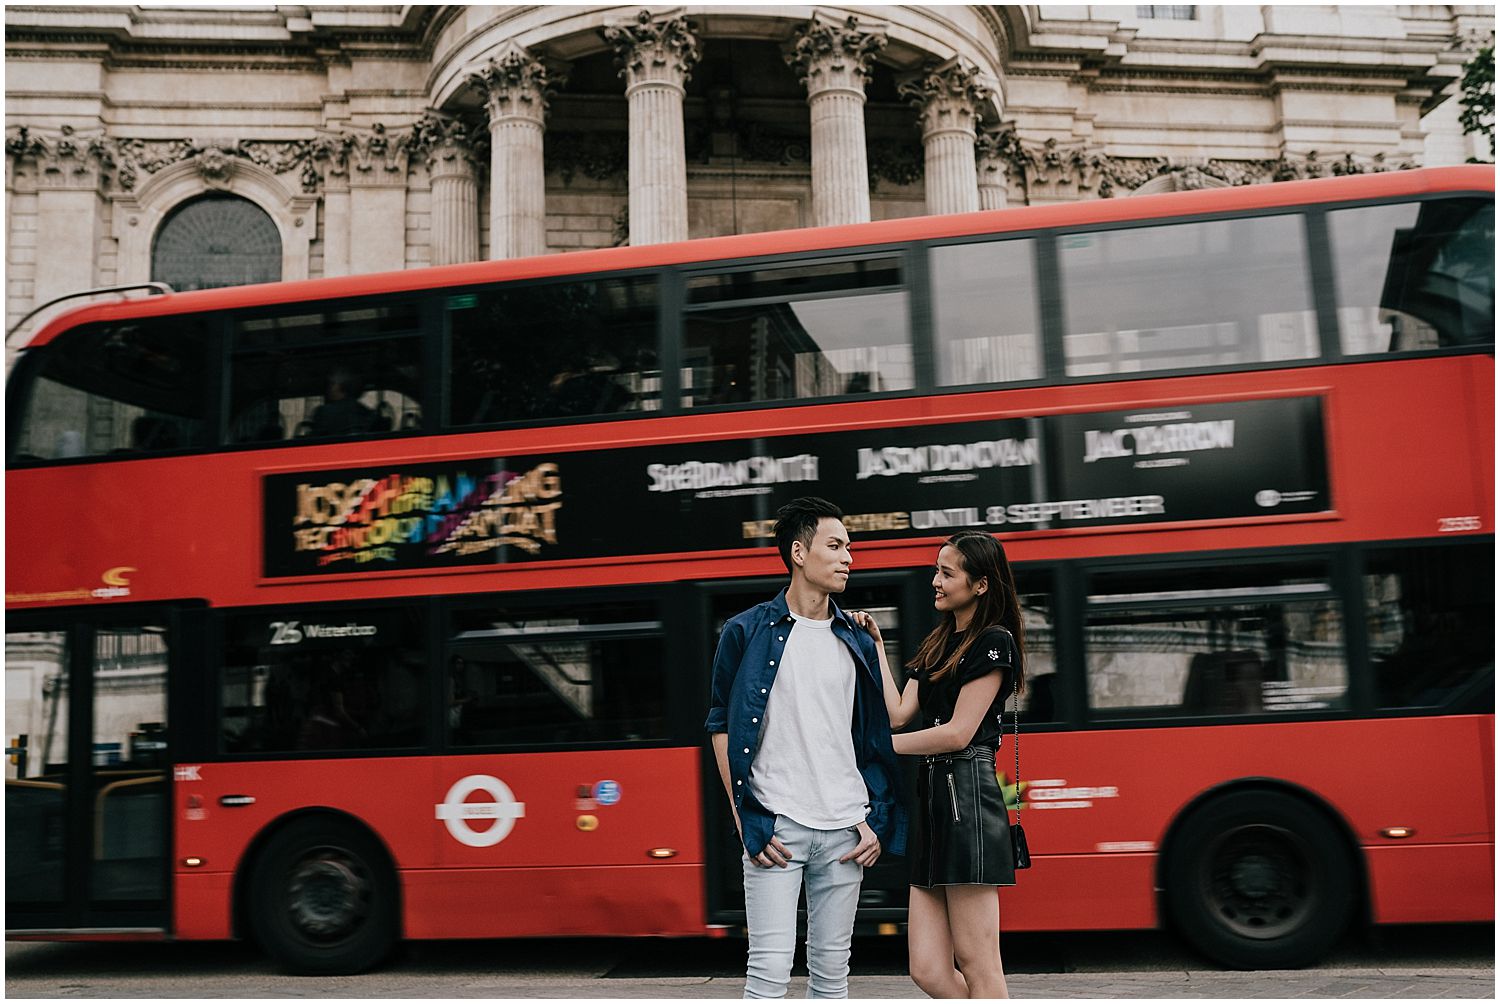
<point x="798" y="520"/>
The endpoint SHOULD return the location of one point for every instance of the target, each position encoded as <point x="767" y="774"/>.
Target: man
<point x="799" y="729"/>
<point x="342" y="413"/>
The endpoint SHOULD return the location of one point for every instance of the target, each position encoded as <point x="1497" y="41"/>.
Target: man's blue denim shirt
<point x="745" y="667"/>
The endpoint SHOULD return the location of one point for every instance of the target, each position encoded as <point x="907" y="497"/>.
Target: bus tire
<point x="1260" y="880"/>
<point x="323" y="898"/>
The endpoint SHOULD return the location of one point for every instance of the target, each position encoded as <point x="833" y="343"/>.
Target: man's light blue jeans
<point x="771" y="911"/>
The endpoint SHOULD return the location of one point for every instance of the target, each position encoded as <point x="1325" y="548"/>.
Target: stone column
<point x="455" y="206"/>
<point x="22" y="169"/>
<point x="949" y="96"/>
<point x="73" y="173"/>
<point x="516" y="86"/>
<point x="328" y="157"/>
<point x="833" y="59"/>
<point x="995" y="151"/>
<point x="336" y="223"/>
<point x="453" y="171"/>
<point x="656" y="56"/>
<point x="377" y="200"/>
<point x="377" y="225"/>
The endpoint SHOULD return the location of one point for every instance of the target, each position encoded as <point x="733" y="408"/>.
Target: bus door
<point x="87" y="768"/>
<point x="887" y="595"/>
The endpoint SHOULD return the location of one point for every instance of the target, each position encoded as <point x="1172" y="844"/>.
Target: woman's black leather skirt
<point x="961" y="834"/>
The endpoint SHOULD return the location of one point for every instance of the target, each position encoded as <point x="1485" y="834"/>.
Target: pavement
<point x="1360" y="984"/>
<point x="1431" y="962"/>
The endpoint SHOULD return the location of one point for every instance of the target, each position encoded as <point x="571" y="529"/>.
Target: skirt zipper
<point x="952" y="797"/>
<point x="931" y="844"/>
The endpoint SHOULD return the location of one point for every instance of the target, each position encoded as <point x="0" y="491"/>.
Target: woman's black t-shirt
<point x="993" y="650"/>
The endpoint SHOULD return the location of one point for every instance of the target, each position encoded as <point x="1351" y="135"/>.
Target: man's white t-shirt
<point x="804" y="767"/>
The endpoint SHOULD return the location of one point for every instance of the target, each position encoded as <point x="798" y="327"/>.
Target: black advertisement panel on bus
<point x="1220" y="460"/>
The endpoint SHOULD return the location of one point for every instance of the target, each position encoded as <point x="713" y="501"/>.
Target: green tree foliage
<point x="1477" y="96"/>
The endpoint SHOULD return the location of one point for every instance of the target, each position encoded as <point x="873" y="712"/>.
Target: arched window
<point x="216" y="240"/>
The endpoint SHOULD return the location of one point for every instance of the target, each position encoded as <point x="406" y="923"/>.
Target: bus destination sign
<point x="1174" y="463"/>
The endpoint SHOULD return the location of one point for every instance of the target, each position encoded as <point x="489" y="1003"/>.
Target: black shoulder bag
<point x="1018" y="847"/>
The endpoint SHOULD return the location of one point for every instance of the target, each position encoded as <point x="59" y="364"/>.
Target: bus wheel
<point x="1260" y="880"/>
<point x="323" y="898"/>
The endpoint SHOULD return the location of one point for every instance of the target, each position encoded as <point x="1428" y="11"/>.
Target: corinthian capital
<point x="438" y="139"/>
<point x="830" y="54"/>
<point x="515" y="85"/>
<point x="998" y="142"/>
<point x="998" y="152"/>
<point x="651" y="49"/>
<point x="949" y="95"/>
<point x="66" y="158"/>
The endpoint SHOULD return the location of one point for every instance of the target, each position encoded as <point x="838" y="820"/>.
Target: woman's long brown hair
<point x="982" y="557"/>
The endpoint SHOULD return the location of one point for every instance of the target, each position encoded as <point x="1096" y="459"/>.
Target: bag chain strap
<point x="1016" y="710"/>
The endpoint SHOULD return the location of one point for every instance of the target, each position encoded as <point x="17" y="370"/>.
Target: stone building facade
<point x="215" y="145"/>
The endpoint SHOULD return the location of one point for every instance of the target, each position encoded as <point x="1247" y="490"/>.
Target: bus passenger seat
<point x="150" y="432"/>
<point x="1223" y="683"/>
<point x="1041" y="699"/>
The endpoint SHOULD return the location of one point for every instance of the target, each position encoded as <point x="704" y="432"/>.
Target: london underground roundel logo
<point x="459" y="815"/>
<point x="1267" y="498"/>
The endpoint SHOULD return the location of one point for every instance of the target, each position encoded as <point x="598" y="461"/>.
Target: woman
<point x="960" y="844"/>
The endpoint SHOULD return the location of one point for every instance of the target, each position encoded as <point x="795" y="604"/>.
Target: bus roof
<point x="1477" y="177"/>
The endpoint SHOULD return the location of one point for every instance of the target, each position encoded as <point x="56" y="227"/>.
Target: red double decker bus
<point x="360" y="609"/>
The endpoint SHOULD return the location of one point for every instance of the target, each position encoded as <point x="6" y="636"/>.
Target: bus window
<point x="315" y="679"/>
<point x="1039" y="698"/>
<point x="129" y="742"/>
<point x="560" y="350"/>
<point x="1430" y="614"/>
<point x="815" y="329"/>
<point x="1420" y="275"/>
<point x="586" y="673"/>
<point x="37" y="773"/>
<point x="327" y="375"/>
<point x="985" y="315"/>
<point x="132" y="388"/>
<point x="1213" y="293"/>
<point x="1227" y="640"/>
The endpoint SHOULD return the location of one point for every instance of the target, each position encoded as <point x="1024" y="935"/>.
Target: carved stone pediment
<point x="595" y="155"/>
<point x="1059" y="170"/>
<point x="68" y="159"/>
<point x="1296" y="167"/>
<point x="899" y="162"/>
